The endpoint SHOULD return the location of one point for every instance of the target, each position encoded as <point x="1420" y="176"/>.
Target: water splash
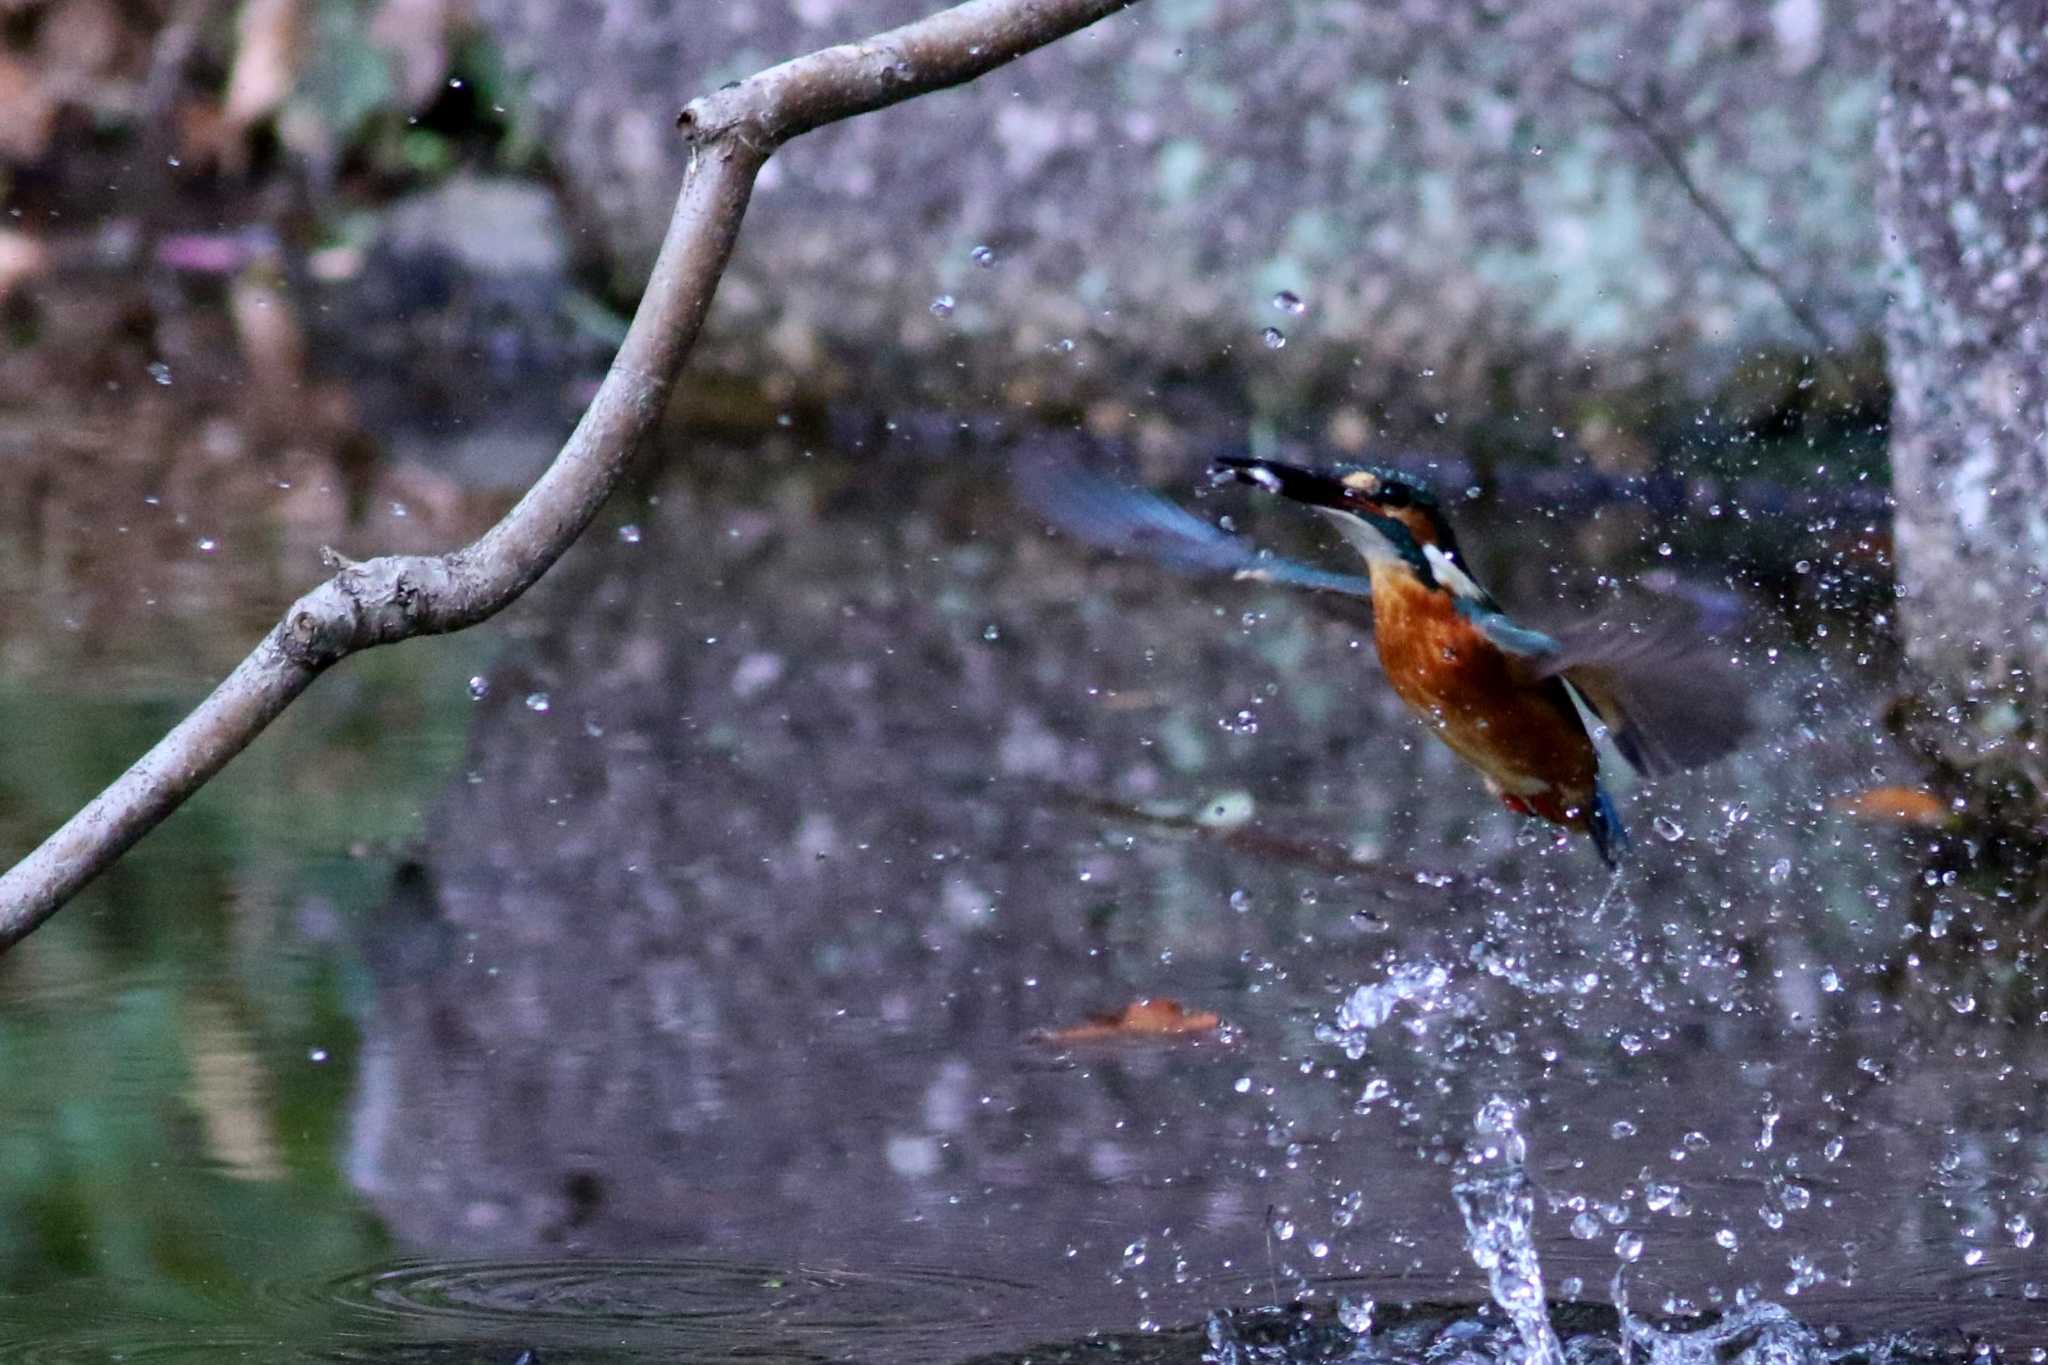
<point x="1756" y="1334"/>
<point x="1424" y="983"/>
<point x="1500" y="1210"/>
<point x="1433" y="1334"/>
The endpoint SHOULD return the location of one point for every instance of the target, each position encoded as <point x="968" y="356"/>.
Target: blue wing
<point x="1116" y="516"/>
<point x="1495" y="626"/>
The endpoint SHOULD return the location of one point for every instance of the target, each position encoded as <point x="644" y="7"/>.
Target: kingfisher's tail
<point x="1603" y="822"/>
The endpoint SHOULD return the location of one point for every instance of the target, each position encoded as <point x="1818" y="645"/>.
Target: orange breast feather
<point x="1522" y="733"/>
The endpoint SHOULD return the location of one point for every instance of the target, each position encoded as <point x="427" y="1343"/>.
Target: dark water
<point x="660" y="972"/>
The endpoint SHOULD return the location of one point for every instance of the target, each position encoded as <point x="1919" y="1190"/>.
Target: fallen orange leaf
<point x="1893" y="806"/>
<point x="1154" y="1017"/>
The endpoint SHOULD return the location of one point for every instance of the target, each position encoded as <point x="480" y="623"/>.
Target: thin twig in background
<point x="1674" y="157"/>
<point x="382" y="601"/>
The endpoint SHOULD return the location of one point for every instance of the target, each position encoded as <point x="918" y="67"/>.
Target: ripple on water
<point x="149" y="1343"/>
<point x="768" y="1312"/>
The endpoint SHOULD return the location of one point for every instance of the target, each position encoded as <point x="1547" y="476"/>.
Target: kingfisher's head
<point x="1388" y="517"/>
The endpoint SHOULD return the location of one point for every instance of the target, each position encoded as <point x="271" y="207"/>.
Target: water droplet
<point x="1273" y="337"/>
<point x="630" y="534"/>
<point x="160" y="372"/>
<point x="1290" y="303"/>
<point x="1586" y="1227"/>
<point x="207" y="545"/>
<point x="942" y="306"/>
<point x="1622" y="1129"/>
<point x="1355" y="1314"/>
<point x="1668" y="829"/>
<point x="1628" y="1246"/>
<point x="1422" y="984"/>
<point x="991" y="632"/>
<point x="479" y="687"/>
<point x="319" y="1054"/>
<point x="1536" y="150"/>
<point x="983" y="256"/>
<point x="1134" y="1254"/>
<point x="1283" y="1227"/>
<point x="1781" y="872"/>
<point x="2020" y="1230"/>
<point x="538" y="701"/>
<point x="1726" y="1239"/>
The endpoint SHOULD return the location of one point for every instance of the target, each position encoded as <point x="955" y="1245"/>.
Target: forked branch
<point x="731" y="132"/>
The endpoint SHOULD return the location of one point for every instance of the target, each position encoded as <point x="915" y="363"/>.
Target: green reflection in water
<point x="178" y="1046"/>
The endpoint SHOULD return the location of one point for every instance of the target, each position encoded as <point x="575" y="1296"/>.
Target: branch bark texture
<point x="731" y="132"/>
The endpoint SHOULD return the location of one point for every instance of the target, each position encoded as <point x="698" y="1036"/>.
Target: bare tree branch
<point x="1674" y="158"/>
<point x="732" y="133"/>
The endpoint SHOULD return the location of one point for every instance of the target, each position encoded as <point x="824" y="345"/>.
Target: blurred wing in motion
<point x="1663" y="684"/>
<point x="1657" y="678"/>
<point x="1116" y="516"/>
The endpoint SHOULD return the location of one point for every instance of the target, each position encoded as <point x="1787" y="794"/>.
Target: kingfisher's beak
<point x="1292" y="481"/>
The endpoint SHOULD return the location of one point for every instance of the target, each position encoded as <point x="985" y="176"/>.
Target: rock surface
<point x="1463" y="209"/>
<point x="1966" y="159"/>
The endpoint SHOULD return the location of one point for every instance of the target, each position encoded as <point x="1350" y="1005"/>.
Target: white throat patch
<point x="1451" y="576"/>
<point x="1371" y="542"/>
<point x="1362" y="536"/>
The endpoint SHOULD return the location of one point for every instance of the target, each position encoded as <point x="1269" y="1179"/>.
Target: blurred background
<point x="689" y="963"/>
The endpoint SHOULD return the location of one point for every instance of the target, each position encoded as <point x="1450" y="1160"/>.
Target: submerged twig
<point x="1329" y="856"/>
<point x="731" y="133"/>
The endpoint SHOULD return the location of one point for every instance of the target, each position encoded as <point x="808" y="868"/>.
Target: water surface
<point x="662" y="971"/>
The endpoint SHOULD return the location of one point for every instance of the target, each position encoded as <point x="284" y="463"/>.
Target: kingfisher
<point x="1513" y="702"/>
